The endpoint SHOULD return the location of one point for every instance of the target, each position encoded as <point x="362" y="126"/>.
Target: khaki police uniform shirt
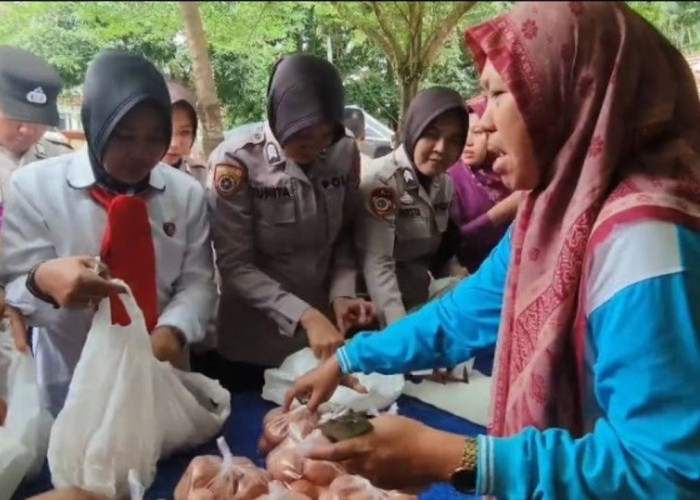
<point x="282" y="239"/>
<point x="397" y="232"/>
<point x="9" y="162"/>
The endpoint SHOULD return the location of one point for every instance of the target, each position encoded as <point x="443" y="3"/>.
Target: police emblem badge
<point x="382" y="202"/>
<point x="228" y="179"/>
<point x="36" y="96"/>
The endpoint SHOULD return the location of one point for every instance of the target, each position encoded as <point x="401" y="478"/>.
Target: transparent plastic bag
<point x="276" y="425"/>
<point x="288" y="462"/>
<point x="350" y="487"/>
<point x="227" y="478"/>
<point x="278" y="491"/>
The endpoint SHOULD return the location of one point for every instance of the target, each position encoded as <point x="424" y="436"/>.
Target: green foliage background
<point x="246" y="37"/>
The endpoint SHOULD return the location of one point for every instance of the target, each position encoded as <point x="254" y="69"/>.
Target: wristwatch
<point x="463" y="478"/>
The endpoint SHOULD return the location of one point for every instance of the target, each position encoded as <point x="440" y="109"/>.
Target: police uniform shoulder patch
<point x="229" y="178"/>
<point x="273" y="156"/>
<point x="382" y="202"/>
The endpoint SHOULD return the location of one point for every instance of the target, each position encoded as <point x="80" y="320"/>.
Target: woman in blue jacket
<point x="591" y="297"/>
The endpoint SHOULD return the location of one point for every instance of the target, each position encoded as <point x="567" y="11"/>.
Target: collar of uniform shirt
<point x="81" y="176"/>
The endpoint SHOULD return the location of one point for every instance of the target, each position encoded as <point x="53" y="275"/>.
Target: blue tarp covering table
<point x="243" y="430"/>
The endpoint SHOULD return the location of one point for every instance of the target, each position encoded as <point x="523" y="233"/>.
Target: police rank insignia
<point x="382" y="202"/>
<point x="273" y="156"/>
<point x="228" y="179"/>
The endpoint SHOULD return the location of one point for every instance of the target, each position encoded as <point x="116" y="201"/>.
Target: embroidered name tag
<point x="271" y="192"/>
<point x="409" y="212"/>
<point x="335" y="182"/>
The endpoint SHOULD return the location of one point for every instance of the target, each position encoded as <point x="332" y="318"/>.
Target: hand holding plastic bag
<point x="125" y="409"/>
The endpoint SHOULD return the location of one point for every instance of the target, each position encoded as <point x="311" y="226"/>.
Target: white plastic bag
<point x="25" y="434"/>
<point x="125" y="409"/>
<point x="382" y="390"/>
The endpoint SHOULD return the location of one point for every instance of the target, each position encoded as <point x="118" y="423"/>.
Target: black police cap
<point x="29" y="87"/>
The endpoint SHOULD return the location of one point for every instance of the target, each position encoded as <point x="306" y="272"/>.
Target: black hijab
<point x="427" y="106"/>
<point x="303" y="91"/>
<point x="115" y="83"/>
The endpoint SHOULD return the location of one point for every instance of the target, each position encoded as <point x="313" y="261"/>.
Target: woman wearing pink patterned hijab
<point x="591" y="297"/>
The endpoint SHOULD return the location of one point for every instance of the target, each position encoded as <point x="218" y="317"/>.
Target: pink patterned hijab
<point x="613" y="114"/>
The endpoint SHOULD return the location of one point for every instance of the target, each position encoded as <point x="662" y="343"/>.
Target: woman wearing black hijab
<point x="406" y="198"/>
<point x="281" y="196"/>
<point x="146" y="221"/>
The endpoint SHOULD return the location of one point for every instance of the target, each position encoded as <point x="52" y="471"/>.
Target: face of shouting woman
<point x="509" y="138"/>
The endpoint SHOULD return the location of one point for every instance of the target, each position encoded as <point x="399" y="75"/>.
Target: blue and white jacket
<point x="642" y="362"/>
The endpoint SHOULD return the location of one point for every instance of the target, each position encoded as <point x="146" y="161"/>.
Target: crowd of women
<point x="588" y="128"/>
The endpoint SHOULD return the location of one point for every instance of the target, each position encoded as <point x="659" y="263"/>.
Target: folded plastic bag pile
<point x="126" y="410"/>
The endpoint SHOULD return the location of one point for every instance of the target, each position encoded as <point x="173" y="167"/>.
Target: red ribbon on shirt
<point x="128" y="251"/>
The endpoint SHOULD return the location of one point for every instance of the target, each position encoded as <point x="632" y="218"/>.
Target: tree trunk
<point x="209" y="106"/>
<point x="329" y="48"/>
<point x="408" y="88"/>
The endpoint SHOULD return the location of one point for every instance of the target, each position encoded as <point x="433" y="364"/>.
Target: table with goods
<point x="134" y="427"/>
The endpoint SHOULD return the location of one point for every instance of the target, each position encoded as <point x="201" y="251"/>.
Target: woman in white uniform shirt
<point x="147" y="220"/>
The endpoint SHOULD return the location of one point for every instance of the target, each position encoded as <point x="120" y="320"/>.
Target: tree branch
<point x="369" y="31"/>
<point x="418" y="28"/>
<point x="398" y="6"/>
<point x="444" y="26"/>
<point x="398" y="50"/>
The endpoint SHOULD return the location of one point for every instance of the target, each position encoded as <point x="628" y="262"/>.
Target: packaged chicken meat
<point x="349" y="487"/>
<point x="278" y="491"/>
<point x="288" y="462"/>
<point x="214" y="478"/>
<point x="276" y="426"/>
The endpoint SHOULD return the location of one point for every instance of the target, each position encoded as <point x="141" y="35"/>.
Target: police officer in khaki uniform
<point x="179" y="153"/>
<point x="282" y="196"/>
<point x="406" y="200"/>
<point x="29" y="87"/>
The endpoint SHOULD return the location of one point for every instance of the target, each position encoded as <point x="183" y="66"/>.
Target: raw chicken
<point x="230" y="478"/>
<point x="276" y="426"/>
